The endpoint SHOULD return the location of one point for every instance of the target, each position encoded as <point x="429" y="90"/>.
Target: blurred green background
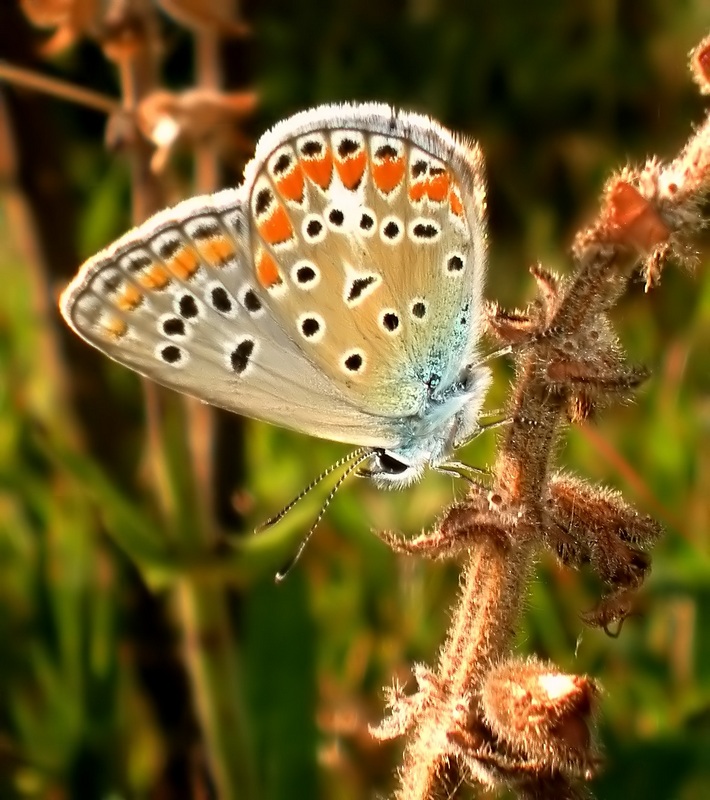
<point x="123" y="636"/>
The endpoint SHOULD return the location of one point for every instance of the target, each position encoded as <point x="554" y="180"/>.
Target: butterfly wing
<point x="175" y="300"/>
<point x="368" y="244"/>
<point x="329" y="294"/>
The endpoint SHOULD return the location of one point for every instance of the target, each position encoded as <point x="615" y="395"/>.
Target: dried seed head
<point x="548" y="287"/>
<point x="126" y="31"/>
<point x="542" y="713"/>
<point x="612" y="609"/>
<point x="483" y="515"/>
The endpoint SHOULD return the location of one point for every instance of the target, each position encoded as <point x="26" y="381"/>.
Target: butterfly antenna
<point x="359" y="455"/>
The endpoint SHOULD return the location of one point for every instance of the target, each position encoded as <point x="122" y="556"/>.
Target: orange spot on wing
<point x="438" y="188"/>
<point x="435" y="189"/>
<point x="388" y="173"/>
<point x="455" y="204"/>
<point x="129" y="298"/>
<point x="184" y="264"/>
<point x="320" y="171"/>
<point x="417" y="191"/>
<point x="267" y="272"/>
<point x="115" y="327"/>
<point x="291" y="185"/>
<point x="352" y="169"/>
<point x="216" y="251"/>
<point x="277" y="228"/>
<point x="154" y="277"/>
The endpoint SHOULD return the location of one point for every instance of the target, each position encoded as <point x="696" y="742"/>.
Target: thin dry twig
<point x="57" y="88"/>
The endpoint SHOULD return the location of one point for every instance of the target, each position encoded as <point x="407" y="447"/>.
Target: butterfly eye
<point x="391" y="465"/>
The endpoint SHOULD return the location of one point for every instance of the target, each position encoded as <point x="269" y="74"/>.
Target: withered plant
<point x="482" y="715"/>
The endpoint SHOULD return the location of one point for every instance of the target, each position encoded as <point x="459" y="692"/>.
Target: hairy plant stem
<point x="480" y="632"/>
<point x="497" y="567"/>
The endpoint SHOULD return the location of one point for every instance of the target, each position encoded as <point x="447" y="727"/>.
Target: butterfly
<point x="338" y="291"/>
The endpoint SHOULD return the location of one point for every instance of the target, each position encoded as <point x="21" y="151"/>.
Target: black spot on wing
<point x="358" y="286"/>
<point x="174" y="326"/>
<point x="353" y="362"/>
<point x="221" y="300"/>
<point x="240" y="356"/>
<point x="171" y="354"/>
<point x="283" y="162"/>
<point x="188" y="306"/>
<point x="347" y="147"/>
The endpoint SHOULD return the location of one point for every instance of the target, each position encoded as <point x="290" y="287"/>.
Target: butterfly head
<point x="448" y="420"/>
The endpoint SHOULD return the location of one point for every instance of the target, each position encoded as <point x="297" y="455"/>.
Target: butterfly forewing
<point x="175" y="300"/>
<point x="367" y="243"/>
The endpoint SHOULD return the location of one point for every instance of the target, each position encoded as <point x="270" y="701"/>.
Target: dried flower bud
<point x="511" y="327"/>
<point x="167" y="119"/>
<point x="543" y="713"/>
<point x="205" y="14"/>
<point x="72" y="19"/>
<point x="121" y="133"/>
<point x="594" y="525"/>
<point x="483" y="515"/>
<point x="580" y="407"/>
<point x="548" y="287"/>
<point x="632" y="219"/>
<point x="700" y="65"/>
<point x="405" y="710"/>
<point x="127" y="30"/>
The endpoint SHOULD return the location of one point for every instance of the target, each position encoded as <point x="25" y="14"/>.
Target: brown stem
<point x="483" y="622"/>
<point x="57" y="88"/>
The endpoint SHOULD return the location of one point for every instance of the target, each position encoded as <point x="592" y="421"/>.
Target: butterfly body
<point x="337" y="292"/>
